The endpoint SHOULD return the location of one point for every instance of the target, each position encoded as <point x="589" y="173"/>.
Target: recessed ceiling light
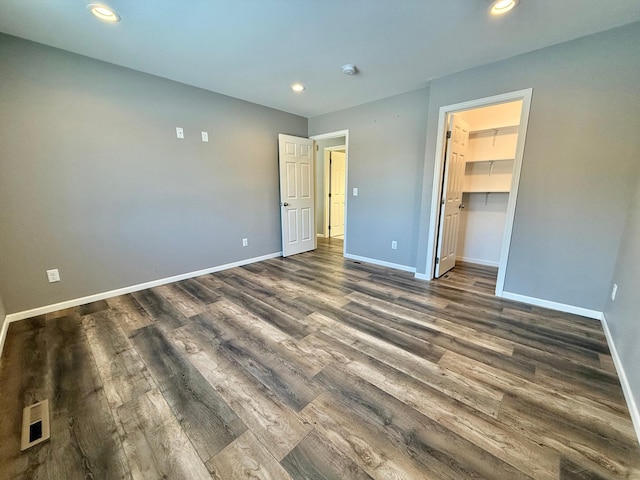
<point x="104" y="13"/>
<point x="498" y="7"/>
<point x="297" y="87"/>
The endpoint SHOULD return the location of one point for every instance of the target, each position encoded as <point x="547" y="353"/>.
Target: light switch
<point x="205" y="136"/>
<point x="355" y="191"/>
<point x="180" y="132"/>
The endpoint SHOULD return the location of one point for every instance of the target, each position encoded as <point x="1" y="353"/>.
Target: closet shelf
<point x="490" y="130"/>
<point x="480" y="190"/>
<point x="488" y="160"/>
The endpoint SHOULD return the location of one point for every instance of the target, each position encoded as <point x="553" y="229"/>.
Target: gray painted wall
<point x="94" y="182"/>
<point x="623" y="314"/>
<point x="386" y="155"/>
<point x="320" y="199"/>
<point x="582" y="144"/>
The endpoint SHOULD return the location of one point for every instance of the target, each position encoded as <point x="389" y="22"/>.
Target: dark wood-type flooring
<point x="471" y="277"/>
<point x="314" y="367"/>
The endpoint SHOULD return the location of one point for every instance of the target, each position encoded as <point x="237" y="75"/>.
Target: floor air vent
<point x="35" y="424"/>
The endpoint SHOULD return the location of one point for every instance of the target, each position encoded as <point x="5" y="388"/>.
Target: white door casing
<point x="525" y="96"/>
<point x="451" y="194"/>
<point x="296" y="194"/>
<point x="337" y="193"/>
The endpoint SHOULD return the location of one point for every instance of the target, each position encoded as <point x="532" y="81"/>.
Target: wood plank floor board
<point x="426" y="440"/>
<point x="123" y="374"/>
<point x="466" y="390"/>
<point x="199" y="292"/>
<point x="266" y="312"/>
<point x="93" y="307"/>
<point x="84" y="441"/>
<point x="155" y="442"/>
<point x="596" y="416"/>
<point x="204" y="416"/>
<point x="274" y="294"/>
<point x="315" y="459"/>
<point x="471" y="277"/>
<point x="258" y="407"/>
<point x="23" y="381"/>
<point x="210" y="281"/>
<point x="164" y="315"/>
<point x="483" y="430"/>
<point x="131" y="314"/>
<point x="516" y="331"/>
<point x="599" y="454"/>
<point x="372" y="451"/>
<point x="316" y="367"/>
<point x="467" y="345"/>
<point x="181" y="300"/>
<point x="246" y="458"/>
<point x="267" y="367"/>
<point x="376" y="329"/>
<point x="407" y="317"/>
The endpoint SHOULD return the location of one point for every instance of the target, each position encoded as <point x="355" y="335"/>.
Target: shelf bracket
<point x="486" y="198"/>
<point x="495" y="134"/>
<point x="490" y="168"/>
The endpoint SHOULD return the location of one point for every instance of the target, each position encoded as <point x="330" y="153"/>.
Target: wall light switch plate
<point x="614" y="290"/>
<point x="355" y="191"/>
<point x="53" y="275"/>
<point x="180" y="132"/>
<point x="205" y="136"/>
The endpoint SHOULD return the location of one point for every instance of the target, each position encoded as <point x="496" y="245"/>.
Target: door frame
<point x="336" y="134"/>
<point x="327" y="183"/>
<point x="524" y="95"/>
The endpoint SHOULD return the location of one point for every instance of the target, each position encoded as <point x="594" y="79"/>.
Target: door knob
<point x="285" y="204"/>
<point x="461" y="206"/>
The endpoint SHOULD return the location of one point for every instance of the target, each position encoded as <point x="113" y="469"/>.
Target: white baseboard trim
<point x="321" y="235"/>
<point x="3" y="333"/>
<point x="422" y="276"/>
<point x="561" y="307"/>
<point x="624" y="381"/>
<point x="133" y="288"/>
<point x="478" y="261"/>
<point x="397" y="266"/>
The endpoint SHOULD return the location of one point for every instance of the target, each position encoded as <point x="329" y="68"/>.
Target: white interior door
<point x="296" y="194"/>
<point x="451" y="195"/>
<point x="337" y="187"/>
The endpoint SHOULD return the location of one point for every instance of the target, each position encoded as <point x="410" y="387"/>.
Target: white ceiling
<point x="254" y="49"/>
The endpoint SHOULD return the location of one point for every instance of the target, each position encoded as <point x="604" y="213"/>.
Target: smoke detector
<point x="349" y="69"/>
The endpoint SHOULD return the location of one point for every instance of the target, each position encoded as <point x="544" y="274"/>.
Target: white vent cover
<point x="35" y="424"/>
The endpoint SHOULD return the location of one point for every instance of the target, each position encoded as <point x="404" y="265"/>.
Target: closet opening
<point x="479" y="160"/>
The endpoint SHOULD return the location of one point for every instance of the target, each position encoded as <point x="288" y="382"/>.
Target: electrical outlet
<point x="245" y="242"/>
<point x="180" y="132"/>
<point x="614" y="290"/>
<point x="394" y="245"/>
<point x="205" y="136"/>
<point x="53" y="275"/>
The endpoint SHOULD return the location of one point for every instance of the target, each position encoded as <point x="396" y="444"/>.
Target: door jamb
<point x="327" y="182"/>
<point x="345" y="134"/>
<point x="524" y="95"/>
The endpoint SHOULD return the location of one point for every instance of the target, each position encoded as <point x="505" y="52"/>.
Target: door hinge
<point x="329" y="195"/>
<point x="437" y="260"/>
<point x="329" y="227"/>
<point x="448" y="133"/>
<point x="317" y="147"/>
